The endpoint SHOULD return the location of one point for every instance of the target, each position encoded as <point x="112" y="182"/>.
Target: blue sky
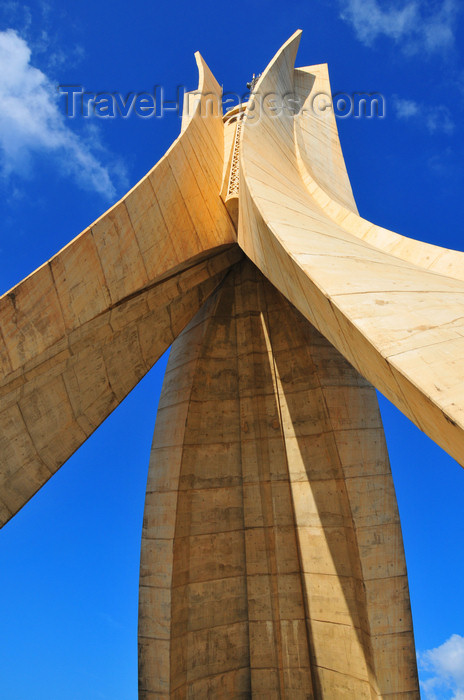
<point x="69" y="559"/>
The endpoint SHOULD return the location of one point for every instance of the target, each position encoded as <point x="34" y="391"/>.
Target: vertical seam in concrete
<point x="237" y="271"/>
<point x="309" y="640"/>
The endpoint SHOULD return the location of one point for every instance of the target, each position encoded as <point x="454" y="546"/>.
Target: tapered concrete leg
<point x="79" y="333"/>
<point x="272" y="560"/>
<point x="393" y="308"/>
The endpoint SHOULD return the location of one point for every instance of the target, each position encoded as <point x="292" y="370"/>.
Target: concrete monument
<point x="272" y="562"/>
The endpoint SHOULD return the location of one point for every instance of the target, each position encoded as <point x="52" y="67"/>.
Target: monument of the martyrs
<point x="272" y="562"/>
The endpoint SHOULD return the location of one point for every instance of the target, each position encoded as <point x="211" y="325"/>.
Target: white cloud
<point x="446" y="666"/>
<point x="406" y="108"/>
<point x="32" y="124"/>
<point x="33" y="23"/>
<point x="434" y="118"/>
<point x="416" y="25"/>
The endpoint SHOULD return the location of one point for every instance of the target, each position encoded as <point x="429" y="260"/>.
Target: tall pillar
<point x="272" y="558"/>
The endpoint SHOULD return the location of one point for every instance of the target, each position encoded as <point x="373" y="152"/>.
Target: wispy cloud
<point x="436" y="119"/>
<point x="445" y="666"/>
<point x="44" y="36"/>
<point x="32" y="124"/>
<point x="417" y="25"/>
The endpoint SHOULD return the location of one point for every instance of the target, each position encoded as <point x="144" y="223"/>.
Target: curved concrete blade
<point x="322" y="168"/>
<point x="390" y="310"/>
<point x="81" y="331"/>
